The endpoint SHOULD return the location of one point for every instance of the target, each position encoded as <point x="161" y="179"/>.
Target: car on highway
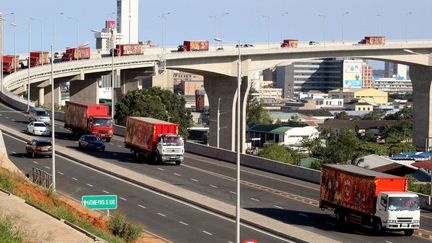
<point x="91" y="142"/>
<point x="313" y="43"/>
<point x="39" y="114"/>
<point x="38" y="128"/>
<point x="39" y="147"/>
<point x="244" y="45"/>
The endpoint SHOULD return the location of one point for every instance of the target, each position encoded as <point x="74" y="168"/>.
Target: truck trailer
<point x="84" y="118"/>
<point x="370" y="198"/>
<point x="290" y="43"/>
<point x="129" y="49"/>
<point x="373" y="40"/>
<point x="10" y="63"/>
<point x="194" y="45"/>
<point x="76" y="54"/>
<point x="157" y="140"/>
<point x="38" y="58"/>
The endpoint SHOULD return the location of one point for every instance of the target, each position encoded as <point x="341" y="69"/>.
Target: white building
<point x="395" y="70"/>
<point x="394" y="85"/>
<point x="127" y="21"/>
<point x="103" y="38"/>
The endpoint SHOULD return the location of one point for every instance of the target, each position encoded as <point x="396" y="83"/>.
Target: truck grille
<point x="404" y="220"/>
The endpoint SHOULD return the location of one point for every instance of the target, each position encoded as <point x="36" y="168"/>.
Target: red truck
<point x="157" y="140"/>
<point x="38" y="58"/>
<point x="129" y="49"/>
<point x="373" y="40"/>
<point x="76" y="54"/>
<point x="85" y="118"/>
<point x="289" y="43"/>
<point x="363" y="196"/>
<point x="10" y="63"/>
<point x="196" y="45"/>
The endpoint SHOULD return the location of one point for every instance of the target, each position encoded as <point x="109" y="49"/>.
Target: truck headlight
<point x="391" y="221"/>
<point x="416" y="221"/>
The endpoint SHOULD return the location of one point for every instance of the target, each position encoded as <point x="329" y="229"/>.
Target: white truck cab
<point x="170" y="147"/>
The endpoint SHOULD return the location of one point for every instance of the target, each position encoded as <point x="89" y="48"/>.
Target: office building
<point x="394" y="85"/>
<point x="127" y="21"/>
<point x="367" y="75"/>
<point x="103" y="38"/>
<point x="395" y="70"/>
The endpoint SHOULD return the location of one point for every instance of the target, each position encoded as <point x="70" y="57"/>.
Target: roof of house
<point x="318" y="112"/>
<point x="362" y="124"/>
<point x="272" y="128"/>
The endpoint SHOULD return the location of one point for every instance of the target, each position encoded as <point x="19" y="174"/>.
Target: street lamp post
<point x="324" y="27"/>
<point x="14" y="49"/>
<point x="2" y="19"/>
<point x="53" y="172"/>
<point x="77" y="30"/>
<point x="112" y="74"/>
<point x="163" y="17"/>
<point x="54" y="28"/>
<point x="342" y="26"/>
<point x="283" y="14"/>
<point x="268" y="29"/>
<point x="406" y="25"/>
<point x="382" y="24"/>
<point x="28" y="68"/>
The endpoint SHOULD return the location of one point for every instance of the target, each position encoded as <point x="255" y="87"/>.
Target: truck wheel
<point x="340" y="216"/>
<point x="377" y="227"/>
<point x="409" y="232"/>
<point x="178" y="162"/>
<point x="108" y="140"/>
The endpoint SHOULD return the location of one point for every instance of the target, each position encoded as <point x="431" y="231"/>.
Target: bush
<point x="119" y="227"/>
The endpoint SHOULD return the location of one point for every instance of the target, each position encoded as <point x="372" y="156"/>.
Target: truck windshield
<point x="172" y="140"/>
<point x="106" y="122"/>
<point x="403" y="203"/>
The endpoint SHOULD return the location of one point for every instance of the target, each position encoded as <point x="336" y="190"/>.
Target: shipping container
<point x="195" y="45"/>
<point x="289" y="43"/>
<point x="373" y="40"/>
<point x="38" y="58"/>
<point x="76" y="54"/>
<point x="10" y="63"/>
<point x="129" y="49"/>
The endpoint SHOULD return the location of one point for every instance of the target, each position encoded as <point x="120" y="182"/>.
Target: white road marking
<point x="160" y="169"/>
<point x="233" y="192"/>
<point x="13" y="119"/>
<point x="141" y="206"/>
<point x="61" y="173"/>
<point x="90" y="185"/>
<point x="387" y="241"/>
<point x="35" y="162"/>
<point x="107" y="192"/>
<point x="205" y="232"/>
<point x="276" y="206"/>
<point x="183" y="223"/>
<point x="254" y="199"/>
<point x="47" y="167"/>
<point x="119" y="146"/>
<point x="75" y="179"/>
<point x="111" y="144"/>
<point x="13" y="152"/>
<point x="6" y="117"/>
<point x="302" y="214"/>
<point x="230" y="241"/>
<point x="122" y="198"/>
<point x="177" y="174"/>
<point x="213" y="186"/>
<point x="194" y="180"/>
<point x="161" y="214"/>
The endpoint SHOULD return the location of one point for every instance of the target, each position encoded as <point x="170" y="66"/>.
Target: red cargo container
<point x="129" y="49"/>
<point x="196" y="45"/>
<point x="85" y="118"/>
<point x="10" y="63"/>
<point x="76" y="54"/>
<point x="290" y="43"/>
<point x="38" y="58"/>
<point x="373" y="40"/>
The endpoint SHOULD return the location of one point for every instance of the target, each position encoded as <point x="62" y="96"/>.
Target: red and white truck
<point x="157" y="140"/>
<point x="194" y="45"/>
<point x="86" y="118"/>
<point x="10" y="63"/>
<point x="289" y="43"/>
<point x="76" y="54"/>
<point x="371" y="198"/>
<point x="38" y="58"/>
<point x="373" y="40"/>
<point x="129" y="49"/>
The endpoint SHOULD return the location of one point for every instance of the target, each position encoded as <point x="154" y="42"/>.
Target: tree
<point x="255" y="113"/>
<point x="157" y="103"/>
<point x="374" y="115"/>
<point x="280" y="153"/>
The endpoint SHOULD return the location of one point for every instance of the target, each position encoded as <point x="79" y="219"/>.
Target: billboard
<point x="352" y="74"/>
<point x="110" y="24"/>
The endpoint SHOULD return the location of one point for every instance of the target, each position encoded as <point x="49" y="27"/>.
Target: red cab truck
<point x="157" y="140"/>
<point x="367" y="197"/>
<point x="76" y="54"/>
<point x="289" y="43"/>
<point x="129" y="49"/>
<point x="85" y="118"/>
<point x="373" y="40"/>
<point x="10" y="63"/>
<point x="194" y="45"/>
<point x="38" y="58"/>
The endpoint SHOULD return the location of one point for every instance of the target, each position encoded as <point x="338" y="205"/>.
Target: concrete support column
<point x="163" y="80"/>
<point x="34" y="94"/>
<point x="41" y="93"/>
<point x="47" y="94"/>
<point x="85" y="90"/>
<point x="421" y="78"/>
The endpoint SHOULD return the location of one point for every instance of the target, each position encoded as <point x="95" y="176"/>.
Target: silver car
<point x="38" y="128"/>
<point x="40" y="115"/>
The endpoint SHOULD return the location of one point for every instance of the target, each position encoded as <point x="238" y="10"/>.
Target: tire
<point x="377" y="227"/>
<point x="102" y="149"/>
<point x="79" y="145"/>
<point x="178" y="162"/>
<point x="108" y="140"/>
<point x="340" y="216"/>
<point x="409" y="232"/>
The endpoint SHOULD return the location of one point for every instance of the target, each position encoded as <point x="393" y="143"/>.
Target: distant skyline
<point x="241" y="20"/>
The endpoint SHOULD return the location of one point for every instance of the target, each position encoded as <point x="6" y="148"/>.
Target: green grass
<point x="6" y="232"/>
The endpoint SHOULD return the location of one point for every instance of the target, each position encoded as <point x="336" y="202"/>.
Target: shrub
<point x="119" y="227"/>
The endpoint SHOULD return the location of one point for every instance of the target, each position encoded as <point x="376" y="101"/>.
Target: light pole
<point x="382" y="24"/>
<point x="406" y="25"/>
<point x="28" y="67"/>
<point x="239" y="68"/>
<point x="14" y="50"/>
<point x="54" y="28"/>
<point x="77" y="29"/>
<point x="268" y="29"/>
<point x="324" y="26"/>
<point x="41" y="31"/>
<point x="342" y="26"/>
<point x="283" y="14"/>
<point x="112" y="74"/>
<point x="163" y="18"/>
<point x="53" y="122"/>
<point x="2" y="46"/>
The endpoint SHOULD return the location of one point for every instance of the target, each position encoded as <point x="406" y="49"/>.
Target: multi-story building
<point x="323" y="103"/>
<point x="373" y="96"/>
<point x="104" y="37"/>
<point x="394" y="85"/>
<point x="127" y="21"/>
<point x="188" y="87"/>
<point x="367" y="75"/>
<point x="395" y="70"/>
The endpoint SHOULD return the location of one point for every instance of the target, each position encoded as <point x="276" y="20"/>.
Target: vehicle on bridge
<point x="10" y="63"/>
<point x="367" y="197"/>
<point x="290" y="43"/>
<point x="76" y="53"/>
<point x="38" y="58"/>
<point x="373" y="40"/>
<point x="128" y="49"/>
<point x="157" y="140"/>
<point x="194" y="45"/>
<point x="84" y="118"/>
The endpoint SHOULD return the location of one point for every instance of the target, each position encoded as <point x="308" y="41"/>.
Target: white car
<point x="38" y="128"/>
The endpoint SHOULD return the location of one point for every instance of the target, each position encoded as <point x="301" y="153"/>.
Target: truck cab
<point x="101" y="127"/>
<point x="170" y="147"/>
<point x="397" y="211"/>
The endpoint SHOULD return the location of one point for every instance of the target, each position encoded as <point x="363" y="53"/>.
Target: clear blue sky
<point x="189" y="19"/>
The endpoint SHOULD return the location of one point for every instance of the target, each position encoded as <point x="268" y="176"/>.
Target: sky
<point x="246" y="21"/>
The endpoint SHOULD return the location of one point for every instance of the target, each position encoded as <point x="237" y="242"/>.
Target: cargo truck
<point x="84" y="118"/>
<point x="76" y="54"/>
<point x="373" y="40"/>
<point x="10" y="63"/>
<point x="196" y="45"/>
<point x="290" y="43"/>
<point x="38" y="58"/>
<point x="157" y="140"/>
<point x="129" y="49"/>
<point x="370" y="198"/>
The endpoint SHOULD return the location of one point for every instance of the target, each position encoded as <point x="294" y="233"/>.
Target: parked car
<point x="39" y="114"/>
<point x="39" y="147"/>
<point x="38" y="128"/>
<point x="91" y="142"/>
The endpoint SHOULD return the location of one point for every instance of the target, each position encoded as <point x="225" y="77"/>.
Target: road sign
<point x="99" y="201"/>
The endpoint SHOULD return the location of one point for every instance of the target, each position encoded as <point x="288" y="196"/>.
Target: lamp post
<point x="112" y="40"/>
<point x="406" y="25"/>
<point x="41" y="31"/>
<point x="77" y="29"/>
<point x="324" y="26"/>
<point x="239" y="68"/>
<point x="342" y="26"/>
<point x="382" y="24"/>
<point x="163" y="18"/>
<point x="54" y="28"/>
<point x="14" y="35"/>
<point x="53" y="122"/>
<point x="283" y="14"/>
<point x="268" y="29"/>
<point x="2" y="19"/>
<point x="28" y="67"/>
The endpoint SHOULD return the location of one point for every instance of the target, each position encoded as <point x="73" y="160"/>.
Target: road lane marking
<point x="160" y="169"/>
<point x="141" y="206"/>
<point x="387" y="241"/>
<point x="13" y="119"/>
<point x="177" y="174"/>
<point x="119" y="146"/>
<point x="161" y="214"/>
<point x="213" y="186"/>
<point x="6" y="117"/>
<point x="183" y="223"/>
<point x="254" y="199"/>
<point x="35" y="162"/>
<point x="233" y="192"/>
<point x="208" y="233"/>
<point x="194" y="180"/>
<point x="13" y="152"/>
<point x="122" y="198"/>
<point x="276" y="206"/>
<point x="90" y="185"/>
<point x="61" y="173"/>
<point x="110" y="143"/>
<point x="75" y="179"/>
<point x="304" y="215"/>
<point x="107" y="192"/>
<point x="47" y="167"/>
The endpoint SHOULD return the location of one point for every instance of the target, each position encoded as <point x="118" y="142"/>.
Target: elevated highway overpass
<point x="219" y="68"/>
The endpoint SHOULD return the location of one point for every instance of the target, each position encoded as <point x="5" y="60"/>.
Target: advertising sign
<point x="110" y="24"/>
<point x="352" y="74"/>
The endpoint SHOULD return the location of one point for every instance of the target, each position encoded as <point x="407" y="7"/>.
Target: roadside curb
<point x="423" y="234"/>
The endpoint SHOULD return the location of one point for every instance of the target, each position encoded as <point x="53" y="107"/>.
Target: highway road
<point x="286" y="199"/>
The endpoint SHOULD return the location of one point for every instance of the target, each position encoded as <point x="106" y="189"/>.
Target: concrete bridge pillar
<point x="34" y="94"/>
<point x="86" y="90"/>
<point x="47" y="94"/>
<point x="163" y="80"/>
<point x="421" y="78"/>
<point x="222" y="93"/>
